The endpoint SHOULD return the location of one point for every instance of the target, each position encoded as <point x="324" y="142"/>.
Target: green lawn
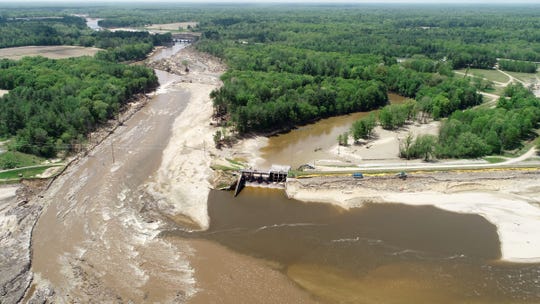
<point x="13" y="159"/>
<point x="24" y="173"/>
<point x="494" y="159"/>
<point x="526" y="77"/>
<point x="492" y="75"/>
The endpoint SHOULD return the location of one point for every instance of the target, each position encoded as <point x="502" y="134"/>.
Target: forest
<point x="294" y="64"/>
<point x="53" y="104"/>
<point x="325" y="63"/>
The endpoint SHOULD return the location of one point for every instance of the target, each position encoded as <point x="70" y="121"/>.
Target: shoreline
<point x="507" y="198"/>
<point x="183" y="182"/>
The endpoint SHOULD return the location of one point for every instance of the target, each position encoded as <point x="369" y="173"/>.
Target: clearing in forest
<point x="53" y="52"/>
<point x="491" y="75"/>
<point x="177" y="26"/>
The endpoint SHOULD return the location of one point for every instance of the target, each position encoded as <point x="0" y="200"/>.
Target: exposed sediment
<point x="507" y="198"/>
<point x="18" y="215"/>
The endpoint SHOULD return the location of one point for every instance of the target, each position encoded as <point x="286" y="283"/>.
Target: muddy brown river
<point x="380" y="253"/>
<point x="98" y="240"/>
<point x="95" y="241"/>
<point x="312" y="141"/>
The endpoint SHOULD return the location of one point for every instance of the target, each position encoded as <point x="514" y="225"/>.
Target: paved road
<point x="433" y="166"/>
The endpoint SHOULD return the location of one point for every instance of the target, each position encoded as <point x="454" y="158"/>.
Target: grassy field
<point x="53" y="52"/>
<point x="17" y="174"/>
<point x="525" y="77"/>
<point x="13" y="159"/>
<point x="492" y="75"/>
<point x="494" y="159"/>
<point x="497" y="90"/>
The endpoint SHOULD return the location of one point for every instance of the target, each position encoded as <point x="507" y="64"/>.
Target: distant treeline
<point x="53" y="104"/>
<point x="464" y="35"/>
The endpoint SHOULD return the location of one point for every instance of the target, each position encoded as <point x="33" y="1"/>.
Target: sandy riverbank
<point x="183" y="182"/>
<point x="384" y="145"/>
<point x="18" y="213"/>
<point x="507" y="198"/>
<point x="185" y="178"/>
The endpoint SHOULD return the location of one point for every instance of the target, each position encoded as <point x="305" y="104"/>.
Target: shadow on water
<point x="388" y="253"/>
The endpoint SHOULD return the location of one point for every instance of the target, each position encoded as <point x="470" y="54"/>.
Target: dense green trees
<point x="517" y="66"/>
<point x="339" y="62"/>
<point x="423" y="146"/>
<point x="363" y="128"/>
<point x="474" y="133"/>
<point x="53" y="104"/>
<point x="66" y="30"/>
<point x="392" y="116"/>
<point x="259" y="101"/>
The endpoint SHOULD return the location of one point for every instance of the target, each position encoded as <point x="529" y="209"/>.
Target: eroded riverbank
<point x="507" y="198"/>
<point x="101" y="238"/>
<point x="379" y="253"/>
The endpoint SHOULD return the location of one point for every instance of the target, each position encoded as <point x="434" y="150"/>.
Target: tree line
<point x="53" y="104"/>
<point x="259" y="101"/>
<point x="517" y="66"/>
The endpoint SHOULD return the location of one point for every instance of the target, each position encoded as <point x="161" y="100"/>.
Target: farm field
<point x="53" y="52"/>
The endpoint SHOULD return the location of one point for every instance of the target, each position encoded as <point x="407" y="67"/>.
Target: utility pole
<point x="112" y="152"/>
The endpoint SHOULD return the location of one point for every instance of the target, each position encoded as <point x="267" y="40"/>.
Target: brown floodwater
<point x="380" y="253"/>
<point x="95" y="242"/>
<point x="311" y="142"/>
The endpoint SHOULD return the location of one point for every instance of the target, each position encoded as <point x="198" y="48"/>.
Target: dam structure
<point x="275" y="177"/>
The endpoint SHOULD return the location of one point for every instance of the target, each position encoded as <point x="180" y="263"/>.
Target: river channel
<point x="380" y="253"/>
<point x="93" y="235"/>
<point x="312" y="141"/>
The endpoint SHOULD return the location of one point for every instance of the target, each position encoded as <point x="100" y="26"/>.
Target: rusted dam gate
<point x="273" y="178"/>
